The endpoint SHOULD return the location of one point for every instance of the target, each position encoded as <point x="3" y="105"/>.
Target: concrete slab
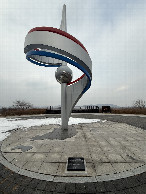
<point x="49" y="168"/>
<point x="53" y="157"/>
<point x="32" y="166"/>
<point x="19" y="163"/>
<point x="11" y="156"/>
<point x="111" y="150"/>
<point x="104" y="168"/>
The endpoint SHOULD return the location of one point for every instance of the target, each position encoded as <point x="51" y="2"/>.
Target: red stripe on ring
<point x="60" y="32"/>
<point x="76" y="80"/>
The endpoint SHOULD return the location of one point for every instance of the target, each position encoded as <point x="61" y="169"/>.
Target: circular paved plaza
<point x="115" y="156"/>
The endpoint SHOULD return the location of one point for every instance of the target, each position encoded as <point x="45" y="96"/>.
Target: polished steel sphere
<point x="63" y="74"/>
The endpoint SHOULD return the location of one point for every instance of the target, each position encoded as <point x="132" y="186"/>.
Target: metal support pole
<point x="64" y="118"/>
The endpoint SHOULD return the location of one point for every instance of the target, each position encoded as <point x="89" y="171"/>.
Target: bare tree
<point x="21" y="104"/>
<point x="139" y="104"/>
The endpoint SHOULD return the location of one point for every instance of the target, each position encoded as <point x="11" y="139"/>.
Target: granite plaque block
<point x="75" y="164"/>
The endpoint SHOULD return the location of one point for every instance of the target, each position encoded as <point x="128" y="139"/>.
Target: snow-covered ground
<point x="7" y="125"/>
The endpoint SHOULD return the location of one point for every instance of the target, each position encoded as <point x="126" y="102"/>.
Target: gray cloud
<point x="114" y="35"/>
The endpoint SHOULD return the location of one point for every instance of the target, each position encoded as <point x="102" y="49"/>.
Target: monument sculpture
<point x="52" y="47"/>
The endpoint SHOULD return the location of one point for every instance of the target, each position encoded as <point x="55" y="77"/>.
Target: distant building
<point x="106" y="109"/>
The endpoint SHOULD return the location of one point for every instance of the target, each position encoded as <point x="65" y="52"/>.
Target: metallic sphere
<point x="63" y="74"/>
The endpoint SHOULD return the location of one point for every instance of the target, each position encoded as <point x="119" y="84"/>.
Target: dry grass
<point x="12" y="112"/>
<point x="129" y="110"/>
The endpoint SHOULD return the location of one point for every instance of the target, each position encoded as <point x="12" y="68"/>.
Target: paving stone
<point x="119" y="184"/>
<point x="131" y="191"/>
<point x="80" y="188"/>
<point x="37" y="157"/>
<point x="41" y="185"/>
<point x="1" y="179"/>
<point x="114" y="157"/>
<point x="134" y="184"/>
<point x="140" y="189"/>
<point x="142" y="178"/>
<point x="32" y="166"/>
<point x="99" y="134"/>
<point x="70" y="188"/>
<point x="1" y="166"/>
<point x="17" y="190"/>
<point x="60" y="187"/>
<point x="34" y="183"/>
<point x="61" y="169"/>
<point x="29" y="191"/>
<point x="119" y="192"/>
<point x="99" y="157"/>
<point x="41" y="192"/>
<point x="3" y="174"/>
<point x="119" y="167"/>
<point x="100" y="187"/>
<point x="49" y="168"/>
<point x="25" y="181"/>
<point x="11" y="172"/>
<point x="3" y="186"/>
<point x="90" y="169"/>
<point x="60" y="193"/>
<point x="11" y="179"/>
<point x="52" y="157"/>
<point x="109" y="186"/>
<point x="90" y="188"/>
<point x="19" y="163"/>
<point x="131" y="182"/>
<point x="50" y="186"/>
<point x="136" y="165"/>
<point x="19" y="179"/>
<point x="104" y="168"/>
<point x="24" y="156"/>
<point x="11" y="156"/>
<point x="9" y="187"/>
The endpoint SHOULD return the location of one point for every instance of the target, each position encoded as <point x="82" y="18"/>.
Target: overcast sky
<point x="113" y="32"/>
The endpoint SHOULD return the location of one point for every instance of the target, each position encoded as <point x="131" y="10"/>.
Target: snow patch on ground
<point x="7" y="125"/>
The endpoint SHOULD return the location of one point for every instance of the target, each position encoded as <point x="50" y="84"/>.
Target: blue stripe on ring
<point x="60" y="57"/>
